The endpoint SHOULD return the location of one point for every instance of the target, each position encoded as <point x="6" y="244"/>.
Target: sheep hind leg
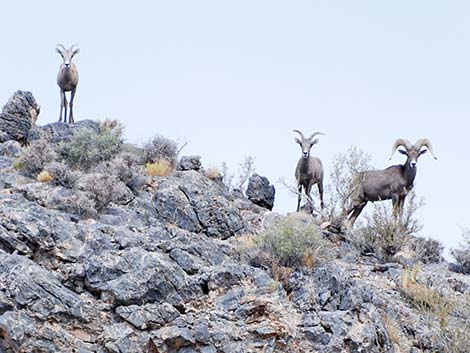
<point x="72" y="95"/>
<point x="62" y="98"/>
<point x="356" y="211"/>
<point x="320" y="191"/>
<point x="299" y="197"/>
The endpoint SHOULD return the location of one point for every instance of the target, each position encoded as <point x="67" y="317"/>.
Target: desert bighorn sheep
<point x="393" y="183"/>
<point x="309" y="170"/>
<point x="67" y="79"/>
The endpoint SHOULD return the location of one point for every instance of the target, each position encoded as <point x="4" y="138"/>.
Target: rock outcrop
<point x="18" y="117"/>
<point x="163" y="272"/>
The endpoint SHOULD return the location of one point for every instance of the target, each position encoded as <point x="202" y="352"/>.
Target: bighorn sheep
<point x="67" y="79"/>
<point x="309" y="170"/>
<point x="393" y="183"/>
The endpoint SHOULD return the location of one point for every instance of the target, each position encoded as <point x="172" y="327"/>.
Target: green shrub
<point x="34" y="158"/>
<point x="87" y="148"/>
<point x="293" y="241"/>
<point x="161" y="148"/>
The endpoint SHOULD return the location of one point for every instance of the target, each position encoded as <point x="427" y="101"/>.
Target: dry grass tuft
<point x="44" y="177"/>
<point x="161" y="168"/>
<point x="212" y="173"/>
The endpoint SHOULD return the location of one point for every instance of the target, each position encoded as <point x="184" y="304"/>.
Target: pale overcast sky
<point x="234" y="78"/>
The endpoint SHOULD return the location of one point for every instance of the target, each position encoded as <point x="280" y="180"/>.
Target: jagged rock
<point x="165" y="272"/>
<point x="189" y="163"/>
<point x="10" y="149"/>
<point x="151" y="316"/>
<point x="61" y="132"/>
<point x="195" y="203"/>
<point x="18" y="116"/>
<point x="260" y="192"/>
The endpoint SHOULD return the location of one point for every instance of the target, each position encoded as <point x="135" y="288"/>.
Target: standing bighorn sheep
<point x="393" y="183"/>
<point x="67" y="79"/>
<point x="309" y="170"/>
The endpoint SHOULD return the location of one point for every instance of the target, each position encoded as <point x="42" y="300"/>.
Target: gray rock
<point x="148" y="316"/>
<point x="59" y="132"/>
<point x="175" y="337"/>
<point x="10" y="149"/>
<point x="18" y="117"/>
<point x="260" y="192"/>
<point x="189" y="163"/>
<point x="195" y="203"/>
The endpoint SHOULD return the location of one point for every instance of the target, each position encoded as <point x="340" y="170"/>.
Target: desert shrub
<point x="44" y="177"/>
<point x="161" y="168"/>
<point x="62" y="174"/>
<point x="344" y="180"/>
<point x="462" y="254"/>
<point x="293" y="241"/>
<point x="237" y="181"/>
<point x="427" y="250"/>
<point x="100" y="188"/>
<point x="76" y="203"/>
<point x="161" y="148"/>
<point x="126" y="169"/>
<point x="382" y="235"/>
<point x="87" y="148"/>
<point x="35" y="157"/>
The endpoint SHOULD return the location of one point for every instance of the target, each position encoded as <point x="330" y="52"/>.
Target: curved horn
<point x="61" y="47"/>
<point x="301" y="135"/>
<point x="425" y="142"/>
<point x="315" y="134"/>
<point x="400" y="142"/>
<point x="73" y="45"/>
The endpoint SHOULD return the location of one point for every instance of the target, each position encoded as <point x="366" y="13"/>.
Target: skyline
<point x="234" y="80"/>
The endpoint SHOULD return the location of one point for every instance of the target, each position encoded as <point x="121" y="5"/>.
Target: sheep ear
<point x="76" y="51"/>
<point x="314" y="142"/>
<point x="298" y="141"/>
<point x="422" y="152"/>
<point x="58" y="50"/>
<point x="403" y="152"/>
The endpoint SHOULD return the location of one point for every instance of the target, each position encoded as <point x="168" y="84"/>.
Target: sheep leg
<point x="356" y="211"/>
<point x="320" y="191"/>
<point x="72" y="95"/>
<point x="299" y="197"/>
<point x="308" y="191"/>
<point x="395" y="207"/>
<point x="65" y="108"/>
<point x="62" y="98"/>
<point x="401" y="202"/>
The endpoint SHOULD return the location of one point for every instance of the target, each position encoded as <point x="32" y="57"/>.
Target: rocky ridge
<point x="163" y="272"/>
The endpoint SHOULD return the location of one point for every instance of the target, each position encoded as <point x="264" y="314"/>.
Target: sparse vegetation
<point x="427" y="250"/>
<point x="424" y="298"/>
<point x="293" y="241"/>
<point x="44" y="177"/>
<point x="34" y="158"/>
<point x="161" y="168"/>
<point x="382" y="235"/>
<point x="87" y="148"/>
<point x="462" y="254"/>
<point x="246" y="168"/>
<point x="345" y="180"/>
<point x="161" y="148"/>
<point x="62" y="174"/>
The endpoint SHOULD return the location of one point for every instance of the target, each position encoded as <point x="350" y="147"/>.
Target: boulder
<point x="189" y="163"/>
<point x="18" y="116"/>
<point x="260" y="192"/>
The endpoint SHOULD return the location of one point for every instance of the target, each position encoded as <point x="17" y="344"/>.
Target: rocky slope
<point x="163" y="272"/>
